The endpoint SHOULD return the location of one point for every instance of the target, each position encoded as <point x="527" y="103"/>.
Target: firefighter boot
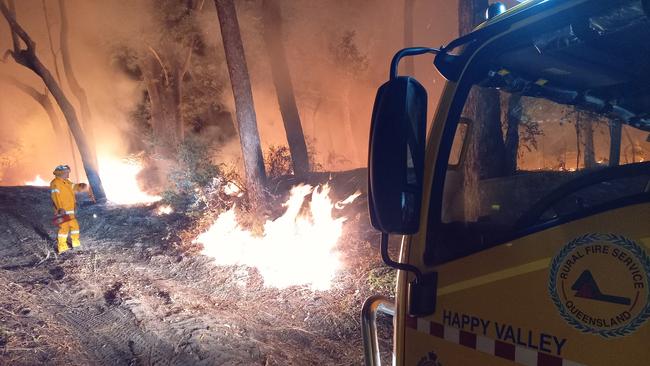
<point x="62" y="242"/>
<point x="74" y="233"/>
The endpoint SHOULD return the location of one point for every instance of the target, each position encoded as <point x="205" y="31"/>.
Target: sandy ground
<point x="129" y="296"/>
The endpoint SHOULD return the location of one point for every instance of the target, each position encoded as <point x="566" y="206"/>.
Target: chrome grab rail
<point x="371" y="307"/>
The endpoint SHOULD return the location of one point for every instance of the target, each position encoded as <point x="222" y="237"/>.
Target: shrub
<point x="278" y="161"/>
<point x="198" y="185"/>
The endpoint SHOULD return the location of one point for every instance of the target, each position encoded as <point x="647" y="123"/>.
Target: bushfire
<point x="298" y="248"/>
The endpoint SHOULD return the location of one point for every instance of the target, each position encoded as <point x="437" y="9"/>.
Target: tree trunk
<point x="284" y="88"/>
<point x="165" y="97"/>
<point x="578" y="140"/>
<point x="75" y="87"/>
<point x="241" y="89"/>
<point x="512" y="133"/>
<point x="590" y="154"/>
<point x="409" y="62"/>
<point x="615" y="129"/>
<point x="27" y="57"/>
<point x="483" y="105"/>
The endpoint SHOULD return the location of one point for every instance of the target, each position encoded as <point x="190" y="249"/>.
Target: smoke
<point x="329" y="93"/>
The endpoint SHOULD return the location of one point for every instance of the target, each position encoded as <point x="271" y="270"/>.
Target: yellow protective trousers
<point x="70" y="227"/>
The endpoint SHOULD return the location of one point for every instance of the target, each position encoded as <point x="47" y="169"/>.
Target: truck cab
<point x="524" y="210"/>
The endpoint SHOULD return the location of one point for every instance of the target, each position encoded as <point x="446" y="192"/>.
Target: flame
<point x="231" y="189"/>
<point x="119" y="178"/>
<point x="295" y="249"/>
<point x="38" y="182"/>
<point x="164" y="210"/>
<point x="341" y="204"/>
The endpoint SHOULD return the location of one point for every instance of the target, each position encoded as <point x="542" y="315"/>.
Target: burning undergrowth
<point x="297" y="248"/>
<point x="136" y="264"/>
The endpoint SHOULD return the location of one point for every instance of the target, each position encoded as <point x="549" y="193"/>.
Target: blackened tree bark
<point x="512" y="133"/>
<point x="578" y="140"/>
<point x="584" y="138"/>
<point x="249" y="137"/>
<point x="615" y="132"/>
<point x="27" y="57"/>
<point x="483" y="105"/>
<point x="272" y="19"/>
<point x="590" y="153"/>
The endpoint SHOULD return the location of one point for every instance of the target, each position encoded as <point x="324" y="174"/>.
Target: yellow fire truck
<point x="524" y="210"/>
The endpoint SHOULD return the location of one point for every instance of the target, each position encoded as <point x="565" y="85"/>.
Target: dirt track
<point x="128" y="298"/>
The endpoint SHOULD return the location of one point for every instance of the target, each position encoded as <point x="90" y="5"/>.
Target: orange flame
<point x="294" y="249"/>
<point x="37" y="182"/>
<point x="164" y="210"/>
<point x="119" y="178"/>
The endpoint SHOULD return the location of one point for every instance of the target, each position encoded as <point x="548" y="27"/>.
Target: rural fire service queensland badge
<point x="599" y="283"/>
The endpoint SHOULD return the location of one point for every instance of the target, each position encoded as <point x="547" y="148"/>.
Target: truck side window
<point x="518" y="151"/>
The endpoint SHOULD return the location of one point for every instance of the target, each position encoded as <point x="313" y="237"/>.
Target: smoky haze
<point x="338" y="53"/>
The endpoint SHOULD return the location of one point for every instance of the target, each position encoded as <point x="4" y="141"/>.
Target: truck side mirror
<point x="396" y="157"/>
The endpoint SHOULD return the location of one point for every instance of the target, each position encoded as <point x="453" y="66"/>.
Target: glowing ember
<point x="231" y="189"/>
<point x="295" y="249"/>
<point x="341" y="204"/>
<point x="164" y="210"/>
<point x="38" y="182"/>
<point x="119" y="177"/>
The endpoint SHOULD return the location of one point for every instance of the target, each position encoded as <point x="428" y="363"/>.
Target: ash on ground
<point x="133" y="296"/>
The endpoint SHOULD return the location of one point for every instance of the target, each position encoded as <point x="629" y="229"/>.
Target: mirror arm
<point x="411" y="51"/>
<point x="399" y="266"/>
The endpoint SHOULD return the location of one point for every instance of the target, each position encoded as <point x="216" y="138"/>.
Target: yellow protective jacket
<point x="62" y="193"/>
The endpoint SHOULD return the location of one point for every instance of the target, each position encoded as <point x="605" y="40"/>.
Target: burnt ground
<point x="130" y="296"/>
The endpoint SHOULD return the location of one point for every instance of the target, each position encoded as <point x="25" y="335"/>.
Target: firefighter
<point x="63" y="197"/>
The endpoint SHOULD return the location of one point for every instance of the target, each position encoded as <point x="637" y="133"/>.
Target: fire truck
<point x="524" y="208"/>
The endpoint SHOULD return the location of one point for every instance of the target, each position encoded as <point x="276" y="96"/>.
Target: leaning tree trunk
<point x="241" y="88"/>
<point x="27" y="57"/>
<point x="284" y="88"/>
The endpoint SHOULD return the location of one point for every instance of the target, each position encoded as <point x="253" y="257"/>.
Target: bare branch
<point x="6" y="55"/>
<point x="162" y="65"/>
<point x="17" y="29"/>
<point x="49" y="36"/>
<point x="14" y="36"/>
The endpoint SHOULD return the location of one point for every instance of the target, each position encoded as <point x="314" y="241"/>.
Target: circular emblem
<point x="599" y="283"/>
